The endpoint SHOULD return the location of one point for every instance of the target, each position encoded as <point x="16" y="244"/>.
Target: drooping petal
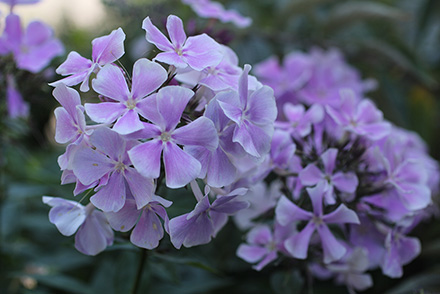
<point x="124" y="219"/>
<point x="200" y="132"/>
<point x="180" y="167"/>
<point x="65" y="130"/>
<point x="146" y="158"/>
<point x="94" y="235"/>
<point x="220" y="172"/>
<point x="148" y="230"/>
<point x="269" y="258"/>
<point x="67" y="217"/>
<point x="195" y="231"/>
<point x="261" y="106"/>
<point x="110" y="82"/>
<point x="111" y="197"/>
<point x="110" y="48"/>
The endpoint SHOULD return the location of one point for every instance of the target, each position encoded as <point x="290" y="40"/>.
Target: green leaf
<point x="423" y="283"/>
<point x="64" y="283"/>
<point x="191" y="261"/>
<point x="354" y="11"/>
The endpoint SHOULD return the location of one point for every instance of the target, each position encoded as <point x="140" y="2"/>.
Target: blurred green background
<point x="396" y="42"/>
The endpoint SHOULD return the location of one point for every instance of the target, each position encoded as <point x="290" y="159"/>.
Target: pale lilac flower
<point x="253" y="113"/>
<point x="297" y="245"/>
<point x="282" y="151"/>
<point x="148" y="230"/>
<point x="147" y="77"/>
<point x="32" y="49"/>
<point x="105" y="50"/>
<point x="93" y="232"/>
<point x="165" y="110"/>
<point x="299" y="120"/>
<point x="213" y="9"/>
<point x="108" y="163"/>
<point x="16" y="106"/>
<point x="70" y="119"/>
<point x="400" y="250"/>
<point x="359" y="117"/>
<point x="204" y="222"/>
<point x="344" y="182"/>
<point x="12" y="3"/>
<point x="197" y="52"/>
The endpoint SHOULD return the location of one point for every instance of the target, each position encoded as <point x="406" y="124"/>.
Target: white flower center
<point x="165" y="137"/>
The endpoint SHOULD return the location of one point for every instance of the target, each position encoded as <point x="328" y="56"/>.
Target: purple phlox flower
<point x="344" y="182"/>
<point x="282" y="150"/>
<point x="217" y="165"/>
<point x="148" y="229"/>
<point x="197" y="52"/>
<point x="148" y="76"/>
<point x="297" y="245"/>
<point x="350" y="270"/>
<point x="299" y="120"/>
<point x="261" y="199"/>
<point x="108" y="163"/>
<point x="330" y="74"/>
<point x="70" y="120"/>
<point x="359" y="117"/>
<point x="93" y="232"/>
<point x="294" y="182"/>
<point x="400" y="250"/>
<point x="16" y="106"/>
<point x="213" y="9"/>
<point x="32" y="49"/>
<point x="105" y="50"/>
<point x="261" y="247"/>
<point x="204" y="222"/>
<point x="407" y="176"/>
<point x="253" y="113"/>
<point x="165" y="110"/>
<point x="290" y="77"/>
<point x="219" y="77"/>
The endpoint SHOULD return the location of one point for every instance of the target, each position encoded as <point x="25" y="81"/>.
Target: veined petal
<point x="146" y="158"/>
<point x="195" y="231"/>
<point x="154" y="36"/>
<point x="220" y="172"/>
<point x="67" y="217"/>
<point x="171" y="58"/>
<point x="74" y="64"/>
<point x="65" y="130"/>
<point x="201" y="52"/>
<point x="148" y="230"/>
<point x="109" y="142"/>
<point x="261" y="107"/>
<point x="90" y="165"/>
<point x="94" y="235"/>
<point x="148" y="76"/>
<point x="310" y="175"/>
<point x="171" y="101"/>
<point x="180" y="167"/>
<point x="110" y="82"/>
<point x="111" y="197"/>
<point x="105" y="112"/>
<point x="110" y="48"/>
<point x="128" y="123"/>
<point x="329" y="160"/>
<point x="68" y="98"/>
<point x="175" y="31"/>
<point x="200" y="132"/>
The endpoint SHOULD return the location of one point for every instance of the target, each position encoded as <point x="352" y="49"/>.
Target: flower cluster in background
<point x="346" y="186"/>
<point x="30" y="49"/>
<point x="200" y="117"/>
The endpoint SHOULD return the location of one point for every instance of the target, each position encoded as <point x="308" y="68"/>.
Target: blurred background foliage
<point x="396" y="42"/>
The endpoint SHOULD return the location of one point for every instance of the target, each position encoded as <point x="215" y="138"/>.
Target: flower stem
<point x="142" y="262"/>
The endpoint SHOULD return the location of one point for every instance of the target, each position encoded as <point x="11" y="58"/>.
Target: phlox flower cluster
<point x="30" y="49"/>
<point x="346" y="186"/>
<point x="188" y="117"/>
